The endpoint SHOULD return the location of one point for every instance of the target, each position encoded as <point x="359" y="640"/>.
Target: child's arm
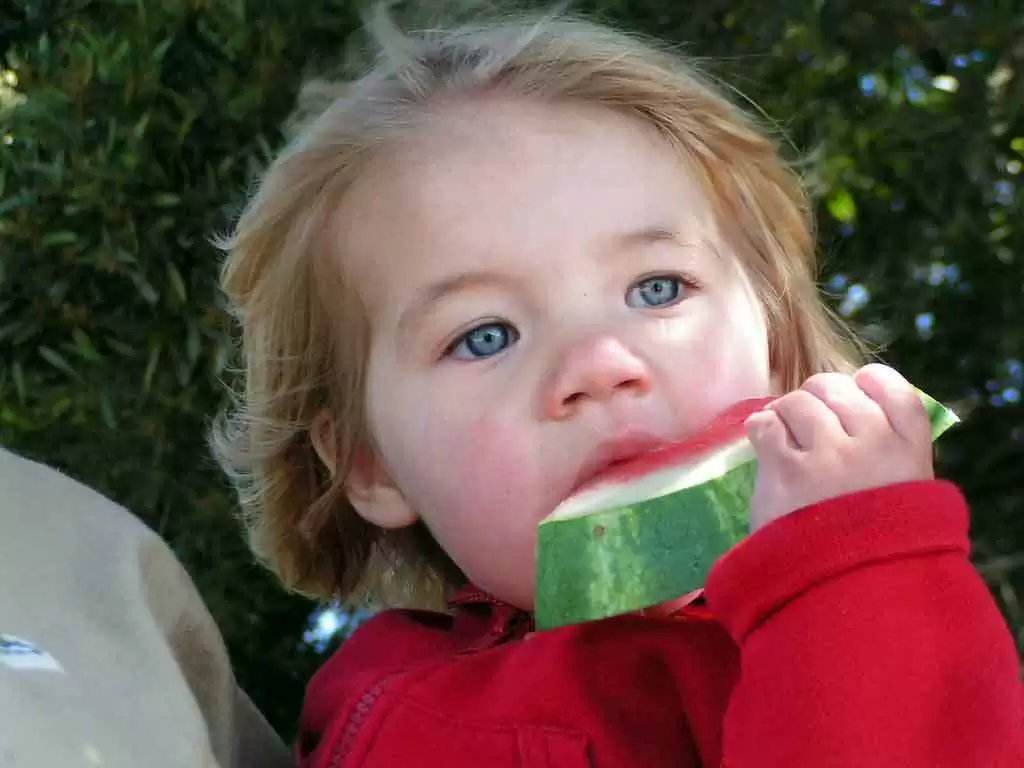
<point x="867" y="639"/>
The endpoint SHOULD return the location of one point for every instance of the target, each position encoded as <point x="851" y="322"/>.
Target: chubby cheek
<point x="475" y="479"/>
<point x="484" y="513"/>
<point x="488" y="459"/>
<point x="725" y="357"/>
<point x="739" y="359"/>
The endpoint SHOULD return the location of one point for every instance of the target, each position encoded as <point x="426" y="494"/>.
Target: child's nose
<point x="596" y="371"/>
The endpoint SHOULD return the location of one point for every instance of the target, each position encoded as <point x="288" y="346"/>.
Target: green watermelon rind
<point x="634" y="557"/>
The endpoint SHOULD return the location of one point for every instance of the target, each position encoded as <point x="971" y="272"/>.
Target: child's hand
<point x="835" y="435"/>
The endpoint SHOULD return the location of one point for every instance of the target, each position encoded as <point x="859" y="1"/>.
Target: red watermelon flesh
<point x="703" y="456"/>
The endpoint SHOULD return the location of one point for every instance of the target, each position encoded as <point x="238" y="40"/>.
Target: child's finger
<point x="856" y="411"/>
<point x="898" y="400"/>
<point x="768" y="434"/>
<point x="808" y="419"/>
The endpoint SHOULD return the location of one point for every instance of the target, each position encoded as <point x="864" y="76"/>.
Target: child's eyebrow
<point x="650" y="236"/>
<point x="432" y="293"/>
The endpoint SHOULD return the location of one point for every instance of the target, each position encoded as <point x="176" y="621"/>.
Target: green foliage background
<point x="130" y="131"/>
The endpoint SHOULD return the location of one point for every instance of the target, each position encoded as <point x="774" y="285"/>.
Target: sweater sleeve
<point x="867" y="638"/>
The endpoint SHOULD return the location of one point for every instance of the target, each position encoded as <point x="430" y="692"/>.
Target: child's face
<point x="532" y="311"/>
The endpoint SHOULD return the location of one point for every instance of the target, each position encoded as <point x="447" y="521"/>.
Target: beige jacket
<point x="108" y="657"/>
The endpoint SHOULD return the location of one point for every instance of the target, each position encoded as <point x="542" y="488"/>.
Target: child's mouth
<point x="619" y="459"/>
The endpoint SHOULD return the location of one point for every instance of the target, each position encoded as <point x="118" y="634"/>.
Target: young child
<point x="510" y="255"/>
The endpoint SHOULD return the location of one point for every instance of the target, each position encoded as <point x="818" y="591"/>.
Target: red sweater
<point x="851" y="633"/>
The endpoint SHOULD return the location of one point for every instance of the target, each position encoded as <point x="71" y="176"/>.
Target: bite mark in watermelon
<point x="649" y="531"/>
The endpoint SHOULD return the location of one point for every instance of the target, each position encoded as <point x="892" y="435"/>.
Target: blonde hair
<point x="304" y="334"/>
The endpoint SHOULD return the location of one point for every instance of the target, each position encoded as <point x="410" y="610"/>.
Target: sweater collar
<point x="505" y="614"/>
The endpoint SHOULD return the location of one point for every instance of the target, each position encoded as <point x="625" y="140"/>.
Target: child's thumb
<point x="766" y="432"/>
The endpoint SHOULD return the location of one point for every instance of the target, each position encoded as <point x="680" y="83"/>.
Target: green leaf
<point x="107" y="410"/>
<point x="177" y="283"/>
<point x="13" y="203"/>
<point x="11" y="330"/>
<point x="155" y="349"/>
<point x="146" y="290"/>
<point x="841" y="206"/>
<point x="56" y="239"/>
<point x="161" y="50"/>
<point x="120" y="347"/>
<point x="84" y="346"/>
<point x="140" y="127"/>
<point x="59" y="408"/>
<point x="56" y="359"/>
<point x="18" y="373"/>
<point x="193" y="345"/>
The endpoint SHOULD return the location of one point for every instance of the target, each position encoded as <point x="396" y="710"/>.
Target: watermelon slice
<point x="651" y="531"/>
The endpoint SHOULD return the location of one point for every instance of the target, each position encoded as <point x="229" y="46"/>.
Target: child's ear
<point x="321" y="434"/>
<point x="368" y="486"/>
<point x="374" y="494"/>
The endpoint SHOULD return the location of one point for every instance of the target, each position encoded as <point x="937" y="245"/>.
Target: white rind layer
<point x="655" y="484"/>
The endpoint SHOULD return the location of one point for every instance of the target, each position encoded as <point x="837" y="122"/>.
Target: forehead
<point x="509" y="184"/>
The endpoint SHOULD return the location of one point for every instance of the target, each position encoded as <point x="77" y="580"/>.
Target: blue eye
<point x="484" y="341"/>
<point x="658" y="291"/>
